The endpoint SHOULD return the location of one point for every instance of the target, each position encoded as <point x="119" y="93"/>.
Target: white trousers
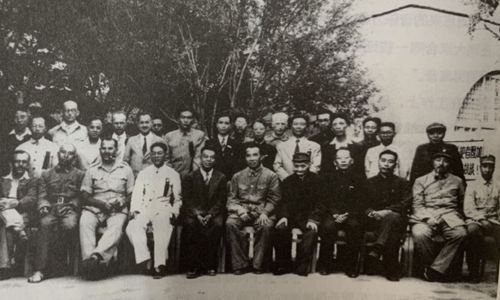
<point x="162" y="232"/>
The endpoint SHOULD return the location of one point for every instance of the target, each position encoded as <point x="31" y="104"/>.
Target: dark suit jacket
<point x="300" y="198"/>
<point x="422" y="162"/>
<point x="393" y="193"/>
<point x="329" y="152"/>
<point x="344" y="191"/>
<point x="29" y="192"/>
<point x="229" y="161"/>
<point x="323" y="138"/>
<point x="198" y="199"/>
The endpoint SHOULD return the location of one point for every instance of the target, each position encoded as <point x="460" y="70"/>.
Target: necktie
<point x="297" y="150"/>
<point x="207" y="178"/>
<point x="144" y="147"/>
<point x="223" y="143"/>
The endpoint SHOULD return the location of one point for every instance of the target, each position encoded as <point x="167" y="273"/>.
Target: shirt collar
<point x="487" y="182"/>
<point x="26" y="132"/>
<point x="205" y="175"/>
<point x="188" y="133"/>
<point x="34" y="142"/>
<point x="284" y="137"/>
<point x="60" y="169"/>
<point x="115" y="166"/>
<point x="255" y="172"/>
<point x="11" y="177"/>
<point x="118" y="137"/>
<point x="345" y="143"/>
<point x="69" y="127"/>
<point x="220" y="137"/>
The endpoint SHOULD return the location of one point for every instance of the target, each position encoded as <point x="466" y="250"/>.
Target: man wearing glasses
<point x="69" y="131"/>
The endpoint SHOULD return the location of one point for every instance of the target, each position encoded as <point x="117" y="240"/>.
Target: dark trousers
<point x="238" y="243"/>
<point x="202" y="242"/>
<point x="282" y="238"/>
<point x="388" y="232"/>
<point x="475" y="246"/>
<point x="328" y="231"/>
<point x="55" y="234"/>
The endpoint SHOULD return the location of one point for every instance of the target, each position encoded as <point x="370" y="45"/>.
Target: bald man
<point x="59" y="211"/>
<point x="69" y="131"/>
<point x="279" y="133"/>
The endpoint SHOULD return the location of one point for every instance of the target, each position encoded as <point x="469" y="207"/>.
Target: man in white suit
<point x="137" y="152"/>
<point x="283" y="164"/>
<point x="156" y="199"/>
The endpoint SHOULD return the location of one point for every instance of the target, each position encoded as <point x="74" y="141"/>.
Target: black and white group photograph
<point x="249" y="149"/>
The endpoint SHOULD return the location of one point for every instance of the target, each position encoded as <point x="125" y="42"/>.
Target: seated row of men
<point x="64" y="198"/>
<point x="183" y="151"/>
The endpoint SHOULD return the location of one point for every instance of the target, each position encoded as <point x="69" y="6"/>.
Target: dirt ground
<point x="250" y="286"/>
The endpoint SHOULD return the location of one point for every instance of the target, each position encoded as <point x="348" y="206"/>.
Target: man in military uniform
<point x="481" y="205"/>
<point x="59" y="211"/>
<point x="107" y="189"/>
<point x="253" y="196"/>
<point x="437" y="205"/>
<point x="422" y="161"/>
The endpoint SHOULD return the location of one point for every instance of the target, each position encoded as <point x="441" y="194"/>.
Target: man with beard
<point x="137" y="152"/>
<point x="283" y="165"/>
<point x="156" y="200"/>
<point x="389" y="198"/>
<point x="240" y="127"/>
<point x="107" y="188"/>
<point x="204" y="196"/>
<point x="423" y="159"/>
<point x="341" y="209"/>
<point x="268" y="151"/>
<point x="437" y="205"/>
<point x="59" y="212"/>
<point x="325" y="135"/>
<point x="185" y="144"/>
<point x="253" y="196"/>
<point x="301" y="192"/>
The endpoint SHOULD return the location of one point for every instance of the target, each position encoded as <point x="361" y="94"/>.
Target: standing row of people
<point x="278" y="180"/>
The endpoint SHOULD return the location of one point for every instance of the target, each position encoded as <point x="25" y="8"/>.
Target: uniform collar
<point x="255" y="172"/>
<point x="69" y="128"/>
<point x="37" y="142"/>
<point x="345" y="143"/>
<point x="436" y="176"/>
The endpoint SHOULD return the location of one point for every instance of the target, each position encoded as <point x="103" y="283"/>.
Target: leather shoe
<point x="159" y="272"/>
<point x="241" y="271"/>
<point x="392" y="278"/>
<point x="473" y="278"/>
<point x="352" y="274"/>
<point x="258" y="271"/>
<point x="211" y="273"/>
<point x="89" y="265"/>
<point x="280" y="271"/>
<point x="302" y="273"/>
<point x="324" y="272"/>
<point x="193" y="274"/>
<point x="432" y="275"/>
<point x="5" y="274"/>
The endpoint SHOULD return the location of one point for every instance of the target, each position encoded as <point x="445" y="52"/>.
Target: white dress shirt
<point x="37" y="151"/>
<point x="121" y="144"/>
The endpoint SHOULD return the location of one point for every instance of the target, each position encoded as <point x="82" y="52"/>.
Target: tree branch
<point x="444" y="11"/>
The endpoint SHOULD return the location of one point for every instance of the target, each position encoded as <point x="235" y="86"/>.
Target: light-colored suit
<point x="133" y="152"/>
<point x="283" y="165"/>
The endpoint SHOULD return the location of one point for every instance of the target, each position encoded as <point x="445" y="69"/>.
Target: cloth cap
<point x="301" y="157"/>
<point x="443" y="152"/>
<point x="487" y="159"/>
<point x="436" y="126"/>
